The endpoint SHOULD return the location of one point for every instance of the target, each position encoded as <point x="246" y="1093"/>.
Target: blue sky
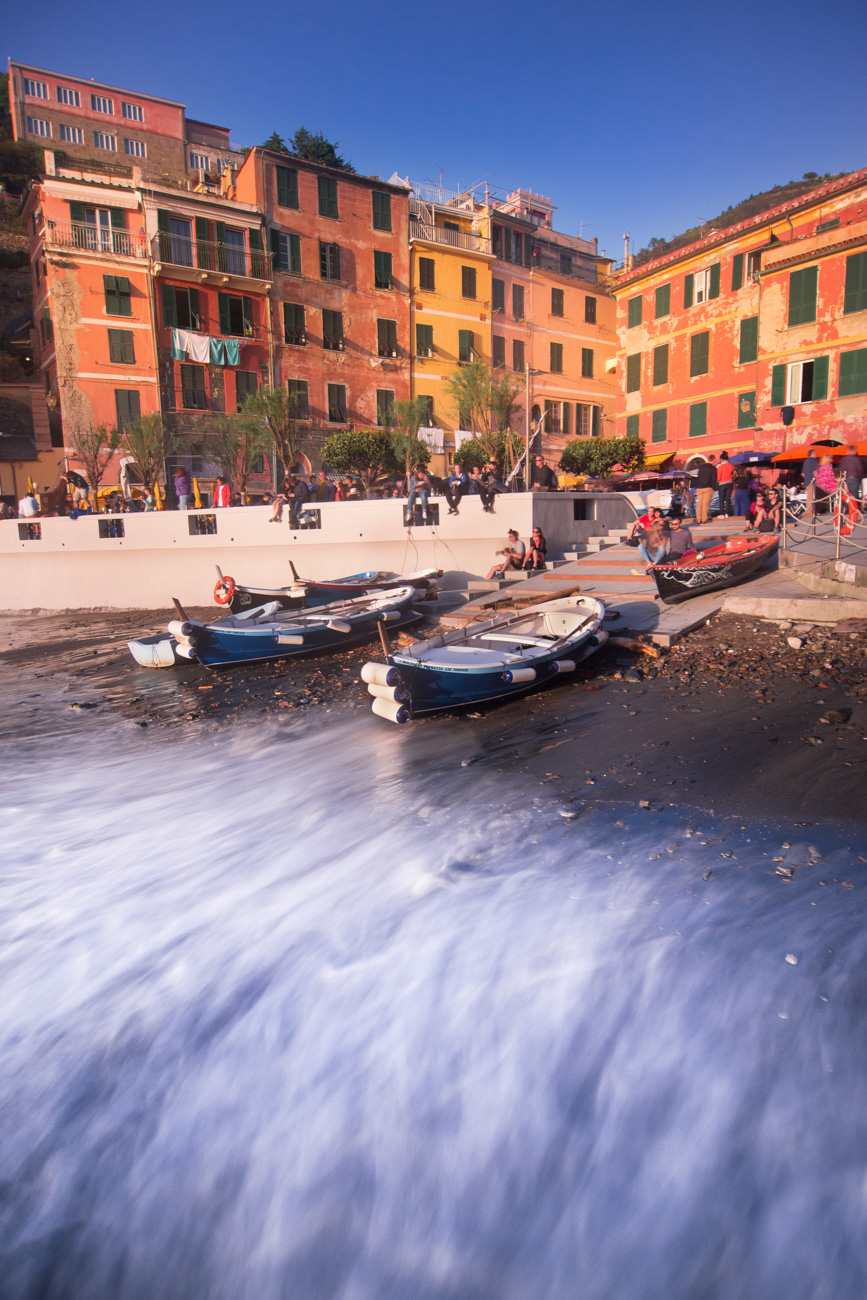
<point x="641" y="117"/>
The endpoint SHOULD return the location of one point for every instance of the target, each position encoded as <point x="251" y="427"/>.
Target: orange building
<point x="753" y="337"/>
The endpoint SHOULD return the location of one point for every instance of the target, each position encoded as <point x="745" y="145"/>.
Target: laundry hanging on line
<point x="187" y="345"/>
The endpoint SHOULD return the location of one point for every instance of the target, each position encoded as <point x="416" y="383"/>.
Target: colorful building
<point x="753" y="337"/>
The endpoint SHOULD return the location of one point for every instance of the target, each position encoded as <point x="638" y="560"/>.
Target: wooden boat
<point x="158" y="651"/>
<point x="696" y="572"/>
<point x="305" y="593"/>
<point x="490" y="660"/>
<point x="269" y="632"/>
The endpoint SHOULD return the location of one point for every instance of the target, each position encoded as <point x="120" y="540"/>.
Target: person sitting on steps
<point x="513" y="557"/>
<point x="537" y="552"/>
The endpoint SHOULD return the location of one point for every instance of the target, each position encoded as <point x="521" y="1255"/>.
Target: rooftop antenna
<point x="581" y="225"/>
<point x="626" y="248"/>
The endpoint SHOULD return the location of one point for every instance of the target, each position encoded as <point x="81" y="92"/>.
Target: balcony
<point x="96" y="239"/>
<point x="199" y="260"/>
<point x="456" y="238"/>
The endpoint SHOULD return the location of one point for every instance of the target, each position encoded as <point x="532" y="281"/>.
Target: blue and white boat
<point x="270" y="632"/>
<point x="306" y="593"/>
<point x="490" y="660"/>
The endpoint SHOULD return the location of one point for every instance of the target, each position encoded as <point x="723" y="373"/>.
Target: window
<point x="660" y="364"/>
<point x="47" y="325"/>
<point x="246" y="385"/>
<point x="468" y="282"/>
<point x="382" y="276"/>
<point x="557" y="302"/>
<point x="853" y="373"/>
<point x="633" y="312"/>
<point x="386" y="338"/>
<point x="286" y="250"/>
<point x="552" y="417"/>
<point x="633" y="373"/>
<point x="517" y="354"/>
<point x="747" y="410"/>
<point x="427" y="273"/>
<point x="498" y="351"/>
<point x="132" y="112"/>
<point x="518" y="301"/>
<point x="36" y="126"/>
<point x="136" y="148"/>
<point x="801" y="381"/>
<point x="332" y="330"/>
<point x="586" y="363"/>
<point x="737" y="272"/>
<point x="236" y="315"/>
<point x="803" y="286"/>
<point x="287" y="187"/>
<point x="749" y="348"/>
<point x="508" y="244"/>
<point x="385" y="406"/>
<point x="71" y="134"/>
<point x="181" y="308"/>
<point x="67" y="96"/>
<point x="701" y="286"/>
<point x="336" y="404"/>
<point x="632" y="426"/>
<point x="327" y="197"/>
<point x="590" y="311"/>
<point x="127" y="406"/>
<point x="381" y="211"/>
<point x="299" y="400"/>
<point x="662" y="301"/>
<point x="855" y="293"/>
<point x="102" y="140"/>
<point x="754" y="264"/>
<point x="200" y="162"/>
<point x="329" y="261"/>
<point x="118" y="299"/>
<point x="465" y="345"/>
<point x="35" y="89"/>
<point x="193" y="387"/>
<point x="100" y="104"/>
<point x="698" y="420"/>
<point x="498" y="295"/>
<point x="121" y="347"/>
<point x="699" y="353"/>
<point x="294" y="326"/>
<point x="659" y="426"/>
<point x="556" y="359"/>
<point x="424" y="341"/>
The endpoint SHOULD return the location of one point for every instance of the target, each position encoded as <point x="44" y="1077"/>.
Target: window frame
<point x="329" y="258"/>
<point x="803" y="304"/>
<point x="427" y="269"/>
<point x="121" y="290"/>
<point x="633" y="373"/>
<point x="121" y="347"/>
<point x="300" y="339"/>
<point x="383" y="269"/>
<point x="555" y="358"/>
<point x="75" y="133"/>
<point x="634" y="311"/>
<point x="660" y="365"/>
<point x="426" y="349"/>
<point x="333" y="337"/>
<point x="301" y="388"/>
<point x="589" y="309"/>
<point x="381" y="218"/>
<point x="97" y="102"/>
<point x="131" y="112"/>
<point x="558" y="303"/>
<point x="699" y="354"/>
<point x="662" y="301"/>
<point x="340" y="406"/>
<point x="385" y="398"/>
<point x="286" y="186"/>
<point x="748" y="340"/>
<point x="328" y="197"/>
<point x="518" y="297"/>
<point x="193" y="385"/>
<point x="498" y="351"/>
<point x="469" y="280"/>
<point x="587" y="363"/>
<point x="518" y="349"/>
<point x="858" y="368"/>
<point x="386" y="337"/>
<point x="659" y="425"/>
<point x="66" y="95"/>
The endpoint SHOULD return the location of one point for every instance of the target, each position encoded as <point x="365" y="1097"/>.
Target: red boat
<point x="695" y="572"/>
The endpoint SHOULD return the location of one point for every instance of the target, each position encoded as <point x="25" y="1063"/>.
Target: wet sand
<point x="732" y="720"/>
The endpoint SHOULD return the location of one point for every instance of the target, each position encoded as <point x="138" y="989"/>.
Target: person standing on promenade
<point x="852" y="469"/>
<point x="183" y="488"/>
<point x="724" y="471"/>
<point x="824" y="481"/>
<point x="222" y="494"/>
<point x="741" y="484"/>
<point x="705" y="485"/>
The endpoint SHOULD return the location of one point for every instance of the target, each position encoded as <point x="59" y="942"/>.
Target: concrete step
<point x="446" y="600"/>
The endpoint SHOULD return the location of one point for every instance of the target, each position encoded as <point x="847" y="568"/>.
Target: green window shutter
<point x="778" y="386"/>
<point x="633" y="312"/>
<point x="327" y="197"/>
<point x="556" y="365"/>
<point x="109" y="284"/>
<point x="163" y="220"/>
<point x="121" y="347"/>
<point x="220" y="230"/>
<point x="170" y="310"/>
<point x="714" y="281"/>
<point x="663" y="301"/>
<point x="76" y="213"/>
<point x="565" y="408"/>
<point x="274" y="238"/>
<point x="660" y="364"/>
<point x="803" y="286"/>
<point x="746" y="410"/>
<point x="855" y="294"/>
<point x="749" y="349"/>
<point x="688" y="289"/>
<point x="698" y="420"/>
<point x="287" y="187"/>
<point x="498" y="295"/>
<point x="202" y="230"/>
<point x="632" y="422"/>
<point x="382" y="264"/>
<point x="117" y="217"/>
<point x="853" y="373"/>
<point x="699" y="353"/>
<point x="124" y="305"/>
<point x="633" y="373"/>
<point x="381" y="211"/>
<point x="127" y="405"/>
<point x="737" y="271"/>
<point x="465" y="345"/>
<point x="255" y="241"/>
<point x="225" y="317"/>
<point x="820" y="379"/>
<point x="294" y="253"/>
<point x="114" y="345"/>
<point x="586" y="363"/>
<point x="659" y="426"/>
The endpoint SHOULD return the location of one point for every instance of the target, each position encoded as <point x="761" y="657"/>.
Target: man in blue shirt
<point x="457" y="486"/>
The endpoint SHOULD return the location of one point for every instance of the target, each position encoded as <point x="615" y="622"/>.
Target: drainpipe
<point x="271" y="358"/>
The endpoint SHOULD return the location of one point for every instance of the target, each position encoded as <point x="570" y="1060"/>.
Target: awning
<point x="821" y="449"/>
<point x="657" y="462"/>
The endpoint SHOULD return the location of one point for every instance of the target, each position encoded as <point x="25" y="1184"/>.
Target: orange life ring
<point x="846" y="514"/>
<point x="224" y="591"/>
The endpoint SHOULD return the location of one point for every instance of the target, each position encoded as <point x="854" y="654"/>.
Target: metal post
<point x="838" y="495"/>
<point x="527" y="430"/>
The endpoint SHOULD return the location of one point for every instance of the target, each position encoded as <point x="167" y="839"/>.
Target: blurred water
<point x="292" y="1015"/>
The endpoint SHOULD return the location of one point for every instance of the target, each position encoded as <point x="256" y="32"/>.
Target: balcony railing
<point x="96" y="239"/>
<point x="457" y="238"/>
<point x="224" y="259"/>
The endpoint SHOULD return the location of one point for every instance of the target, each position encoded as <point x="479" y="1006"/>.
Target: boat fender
<point x="224" y="591"/>
<point x="391" y="709"/>
<point x="381" y="675"/>
<point x="399" y="693"/>
<point x="562" y="666"/>
<point x="389" y="615"/>
<point x="288" y="638"/>
<point x="339" y="625"/>
<point x="182" y="631"/>
<point x="519" y="675"/>
<point x="185" y="651"/>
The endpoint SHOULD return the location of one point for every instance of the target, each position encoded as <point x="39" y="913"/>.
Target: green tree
<point x="470" y="390"/>
<point x="365" y="452"/>
<point x="20" y="163"/>
<point x="275" y="143"/>
<point x="94" y="447"/>
<point x="315" y="148"/>
<point x="599" y="456"/>
<point x="275" y="411"/>
<point x="409" y="450"/>
<point x="504" y="391"/>
<point x="501" y="448"/>
<point x="237" y="443"/>
<point x="147" y="441"/>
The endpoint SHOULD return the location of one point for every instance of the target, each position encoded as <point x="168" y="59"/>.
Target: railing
<point x="96" y="239"/>
<point x="426" y="193"/>
<point x="225" y="259"/>
<point x="457" y="238"/>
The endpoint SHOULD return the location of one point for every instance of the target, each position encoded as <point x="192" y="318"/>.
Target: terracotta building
<point x="755" y="336"/>
<point x="340" y="297"/>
